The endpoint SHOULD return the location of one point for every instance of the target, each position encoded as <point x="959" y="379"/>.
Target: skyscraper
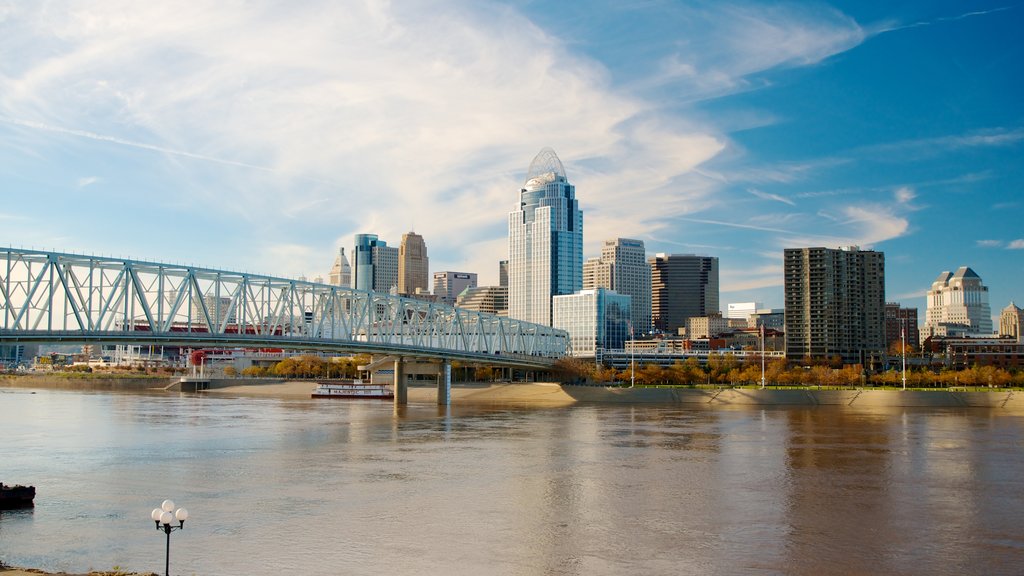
<point x="545" y="241"/>
<point x="623" y="267"/>
<point x="503" y="273"/>
<point x="957" y="301"/>
<point x="412" y="264"/>
<point x="835" y="304"/>
<point x="341" y="272"/>
<point x="682" y="286"/>
<point x="376" y="264"/>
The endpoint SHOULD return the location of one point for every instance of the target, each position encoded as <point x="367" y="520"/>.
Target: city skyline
<point x="731" y="130"/>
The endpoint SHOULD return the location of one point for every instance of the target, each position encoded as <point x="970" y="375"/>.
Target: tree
<point x="230" y="371"/>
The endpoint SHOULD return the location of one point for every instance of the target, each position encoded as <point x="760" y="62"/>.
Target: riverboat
<point x="353" y="389"/>
<point x="16" y="496"/>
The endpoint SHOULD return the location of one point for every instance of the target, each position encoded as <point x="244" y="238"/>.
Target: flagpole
<point x="903" y="351"/>
<point x="762" y="356"/>
<point x="632" y="362"/>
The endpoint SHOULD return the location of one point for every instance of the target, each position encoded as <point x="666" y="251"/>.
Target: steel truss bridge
<point x="56" y="297"/>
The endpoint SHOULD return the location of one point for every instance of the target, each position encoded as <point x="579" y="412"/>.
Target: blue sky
<point x="261" y="136"/>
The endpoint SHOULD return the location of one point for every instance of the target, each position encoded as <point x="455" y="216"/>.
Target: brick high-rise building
<point x="835" y="304"/>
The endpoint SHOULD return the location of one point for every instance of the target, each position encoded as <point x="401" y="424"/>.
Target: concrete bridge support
<point x="444" y="383"/>
<point x="401" y="384"/>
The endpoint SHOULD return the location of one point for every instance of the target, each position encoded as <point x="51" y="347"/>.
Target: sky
<point x="261" y="136"/>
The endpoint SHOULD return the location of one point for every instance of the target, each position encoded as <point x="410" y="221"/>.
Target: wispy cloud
<point x="989" y="243"/>
<point x="894" y="27"/>
<point x="770" y="196"/>
<point x="87" y="181"/>
<point x="1016" y="245"/>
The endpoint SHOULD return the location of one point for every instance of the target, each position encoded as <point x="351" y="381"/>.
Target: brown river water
<point x="350" y="487"/>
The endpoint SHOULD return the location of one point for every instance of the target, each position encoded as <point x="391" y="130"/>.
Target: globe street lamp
<point x="164" y="516"/>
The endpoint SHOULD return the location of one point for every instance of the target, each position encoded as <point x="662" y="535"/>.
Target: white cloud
<point x="380" y="117"/>
<point x="1016" y="245"/>
<point x="904" y="194"/>
<point x="989" y="243"/>
<point x="87" y="181"/>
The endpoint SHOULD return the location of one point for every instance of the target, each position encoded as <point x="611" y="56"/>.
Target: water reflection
<point x="356" y="487"/>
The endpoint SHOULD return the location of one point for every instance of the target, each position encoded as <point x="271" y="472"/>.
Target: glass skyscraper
<point x="545" y="241"/>
<point x="375" y="264"/>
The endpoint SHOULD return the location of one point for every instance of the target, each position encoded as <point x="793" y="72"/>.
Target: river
<point x="350" y="487"/>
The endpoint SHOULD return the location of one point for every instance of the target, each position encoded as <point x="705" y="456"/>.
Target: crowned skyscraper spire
<point x="545" y="241"/>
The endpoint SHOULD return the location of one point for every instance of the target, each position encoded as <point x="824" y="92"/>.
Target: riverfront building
<point x="623" y="268"/>
<point x="682" y="286"/>
<point x="341" y="272"/>
<point x="545" y="241"/>
<point x="958" y="304"/>
<point x="376" y="264"/>
<point x="835" y="304"/>
<point x="412" y="264"/>
<point x="448" y="284"/>
<point x="596" y="320"/>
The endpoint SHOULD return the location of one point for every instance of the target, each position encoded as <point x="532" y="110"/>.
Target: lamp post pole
<point x="903" y="350"/>
<point x="164" y="516"/>
<point x="762" y="356"/>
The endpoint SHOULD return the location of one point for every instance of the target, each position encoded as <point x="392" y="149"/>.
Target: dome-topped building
<point x="958" y="303"/>
<point x="545" y="241"/>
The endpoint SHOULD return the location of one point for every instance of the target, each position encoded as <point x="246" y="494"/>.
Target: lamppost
<point x="164" y="516"/>
<point x="903" y="350"/>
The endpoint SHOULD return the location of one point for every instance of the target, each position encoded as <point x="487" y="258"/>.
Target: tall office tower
<point x="597" y="274"/>
<point x="1011" y="323"/>
<point x="623" y="268"/>
<point x="900" y="324"/>
<point x="958" y="302"/>
<point x="545" y="241"/>
<point x="341" y="272"/>
<point x="682" y="286"/>
<point x="503" y="273"/>
<point x="376" y="264"/>
<point x="412" y="264"/>
<point x="835" y="304"/>
<point x="448" y="285"/>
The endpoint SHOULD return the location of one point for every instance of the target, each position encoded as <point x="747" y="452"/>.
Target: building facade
<point x="682" y="286"/>
<point x="489" y="299"/>
<point x="835" y="304"/>
<point x="341" y="272"/>
<point x="375" y="264"/>
<point x="898" y="319"/>
<point x="958" y="303"/>
<point x="448" y="284"/>
<point x="596" y="320"/>
<point x="412" y="264"/>
<point x="742" y="310"/>
<point x="545" y="251"/>
<point x="1011" y="323"/>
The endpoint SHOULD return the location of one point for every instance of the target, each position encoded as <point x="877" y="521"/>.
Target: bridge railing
<point x="58" y="293"/>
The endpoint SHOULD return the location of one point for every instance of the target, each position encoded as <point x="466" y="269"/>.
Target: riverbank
<point x="553" y="394"/>
<point x="10" y="571"/>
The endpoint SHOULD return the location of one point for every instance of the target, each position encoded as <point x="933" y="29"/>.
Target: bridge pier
<point x="444" y="383"/>
<point x="401" y="385"/>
